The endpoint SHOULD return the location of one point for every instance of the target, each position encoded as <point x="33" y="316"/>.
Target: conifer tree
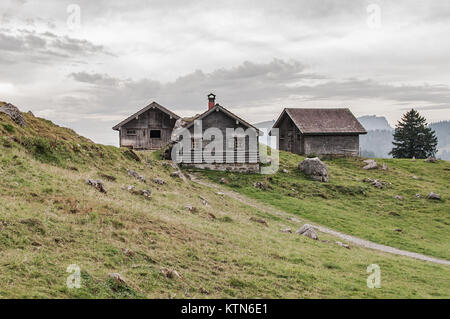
<point x="413" y="137"/>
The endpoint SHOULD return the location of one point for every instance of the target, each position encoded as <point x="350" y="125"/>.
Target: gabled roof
<point x="216" y="108"/>
<point x="323" y="121"/>
<point x="151" y="105"/>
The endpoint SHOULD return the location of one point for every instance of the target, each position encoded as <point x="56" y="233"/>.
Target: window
<point x="155" y="133"/>
<point x="131" y="132"/>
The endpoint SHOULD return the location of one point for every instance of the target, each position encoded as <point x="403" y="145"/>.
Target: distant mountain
<point x="378" y="143"/>
<point x="373" y="122"/>
<point x="265" y="124"/>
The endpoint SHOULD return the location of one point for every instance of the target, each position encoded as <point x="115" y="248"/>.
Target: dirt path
<point x="351" y="239"/>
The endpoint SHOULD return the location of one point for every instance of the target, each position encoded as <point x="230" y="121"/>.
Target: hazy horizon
<point x="88" y="65"/>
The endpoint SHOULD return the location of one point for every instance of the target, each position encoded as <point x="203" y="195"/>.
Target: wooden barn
<point x="319" y="131"/>
<point x="147" y="129"/>
<point x="240" y="152"/>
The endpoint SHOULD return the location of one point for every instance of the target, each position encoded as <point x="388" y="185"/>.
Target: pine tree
<point x="413" y="137"/>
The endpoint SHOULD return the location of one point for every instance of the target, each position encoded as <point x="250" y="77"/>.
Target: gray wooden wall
<point x="153" y="119"/>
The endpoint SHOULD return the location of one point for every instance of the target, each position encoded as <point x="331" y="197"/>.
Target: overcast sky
<point x="89" y="71"/>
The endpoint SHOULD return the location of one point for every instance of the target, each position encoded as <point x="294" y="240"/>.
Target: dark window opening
<point x="131" y="132"/>
<point x="155" y="133"/>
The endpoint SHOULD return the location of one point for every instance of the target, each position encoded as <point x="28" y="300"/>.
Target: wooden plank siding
<point x="152" y="120"/>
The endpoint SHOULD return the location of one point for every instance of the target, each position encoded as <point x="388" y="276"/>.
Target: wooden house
<point x="319" y="131"/>
<point x="147" y="129"/>
<point x="239" y="151"/>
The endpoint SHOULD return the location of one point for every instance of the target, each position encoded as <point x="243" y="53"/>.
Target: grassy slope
<point x="348" y="204"/>
<point x="49" y="219"/>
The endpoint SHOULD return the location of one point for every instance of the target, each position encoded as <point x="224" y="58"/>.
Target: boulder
<point x="159" y="181"/>
<point x="371" y="164"/>
<point x="118" y="278"/>
<point x="285" y="171"/>
<point x="384" y="167"/>
<point x="97" y="184"/>
<point x="259" y="220"/>
<point x="431" y="159"/>
<point x="314" y="168"/>
<point x="136" y="175"/>
<point x="434" y="196"/>
<point x="14" y="114"/>
<point x="398" y="197"/>
<point x="286" y="230"/>
<point x="308" y="231"/>
<point x="342" y="244"/>
<point x="169" y="273"/>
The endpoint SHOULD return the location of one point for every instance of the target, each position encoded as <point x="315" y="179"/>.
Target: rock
<point x="414" y="177"/>
<point x="212" y="215"/>
<point x="13" y="113"/>
<point x="308" y="231"/>
<point x="136" y="175"/>
<point x="377" y="184"/>
<point x="384" y="167"/>
<point x="220" y="193"/>
<point x="286" y="230"/>
<point x="130" y="188"/>
<point x="128" y="252"/>
<point x="105" y="176"/>
<point x="431" y="159"/>
<point x="261" y="185"/>
<point x="118" y="278"/>
<point x="146" y="193"/>
<point x="158" y="181"/>
<point x="176" y="174"/>
<point x="342" y="244"/>
<point x="398" y="197"/>
<point x="191" y="208"/>
<point x="223" y="180"/>
<point x="394" y="214"/>
<point x="314" y="168"/>
<point x="398" y="230"/>
<point x="169" y="273"/>
<point x="285" y="171"/>
<point x="418" y="196"/>
<point x="203" y="291"/>
<point x="259" y="220"/>
<point x="97" y="184"/>
<point x="434" y="196"/>
<point x="204" y="201"/>
<point x="371" y="164"/>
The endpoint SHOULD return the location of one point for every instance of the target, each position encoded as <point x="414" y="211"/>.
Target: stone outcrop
<point x="14" y="113"/>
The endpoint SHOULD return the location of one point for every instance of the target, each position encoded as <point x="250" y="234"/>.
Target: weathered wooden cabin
<point x="319" y="131"/>
<point x="147" y="129"/>
<point x="240" y="151"/>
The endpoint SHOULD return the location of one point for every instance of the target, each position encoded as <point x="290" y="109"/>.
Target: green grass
<point x="50" y="219"/>
<point x="350" y="205"/>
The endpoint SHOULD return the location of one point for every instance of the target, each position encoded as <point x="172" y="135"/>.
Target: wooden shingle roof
<point x="151" y="105"/>
<point x="323" y="121"/>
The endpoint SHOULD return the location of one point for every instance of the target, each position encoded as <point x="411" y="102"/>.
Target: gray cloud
<point x="24" y="45"/>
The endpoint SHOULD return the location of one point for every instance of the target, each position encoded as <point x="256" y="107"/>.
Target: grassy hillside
<point x="349" y="204"/>
<point x="50" y="218"/>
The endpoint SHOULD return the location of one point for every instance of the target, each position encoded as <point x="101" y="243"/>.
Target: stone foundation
<point x="229" y="167"/>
